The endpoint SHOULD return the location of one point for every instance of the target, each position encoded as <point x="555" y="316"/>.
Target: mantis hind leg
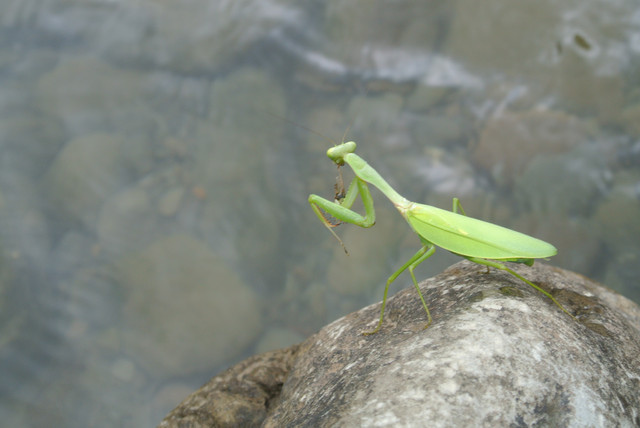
<point x="423" y="254"/>
<point x="520" y="277"/>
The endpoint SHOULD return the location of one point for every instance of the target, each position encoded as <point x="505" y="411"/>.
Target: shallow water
<point x="154" y="225"/>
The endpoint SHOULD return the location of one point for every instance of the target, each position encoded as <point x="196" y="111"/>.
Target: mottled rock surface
<point x="239" y="396"/>
<point x="498" y="353"/>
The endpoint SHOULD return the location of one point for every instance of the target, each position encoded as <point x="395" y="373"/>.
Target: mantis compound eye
<point x="338" y="152"/>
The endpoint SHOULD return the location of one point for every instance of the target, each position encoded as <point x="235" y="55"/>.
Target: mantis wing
<point x="472" y="237"/>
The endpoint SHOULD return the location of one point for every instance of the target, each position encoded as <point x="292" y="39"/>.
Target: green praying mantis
<point x="476" y="240"/>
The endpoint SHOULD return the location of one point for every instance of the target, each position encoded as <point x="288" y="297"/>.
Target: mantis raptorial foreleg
<point x="341" y="209"/>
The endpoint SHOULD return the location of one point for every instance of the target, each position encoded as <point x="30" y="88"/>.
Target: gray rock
<point x="497" y="354"/>
<point x="239" y="396"/>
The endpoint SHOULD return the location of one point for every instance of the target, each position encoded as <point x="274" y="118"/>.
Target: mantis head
<point x="338" y="152"/>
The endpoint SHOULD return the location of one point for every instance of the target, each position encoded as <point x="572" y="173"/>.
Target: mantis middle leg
<point x="423" y="254"/>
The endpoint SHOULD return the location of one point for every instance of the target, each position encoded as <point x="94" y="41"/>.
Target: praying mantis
<point x="477" y="241"/>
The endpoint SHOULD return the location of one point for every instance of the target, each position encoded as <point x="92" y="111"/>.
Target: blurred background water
<point x="154" y="224"/>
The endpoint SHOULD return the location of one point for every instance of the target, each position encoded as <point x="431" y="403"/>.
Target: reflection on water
<point x="154" y="227"/>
